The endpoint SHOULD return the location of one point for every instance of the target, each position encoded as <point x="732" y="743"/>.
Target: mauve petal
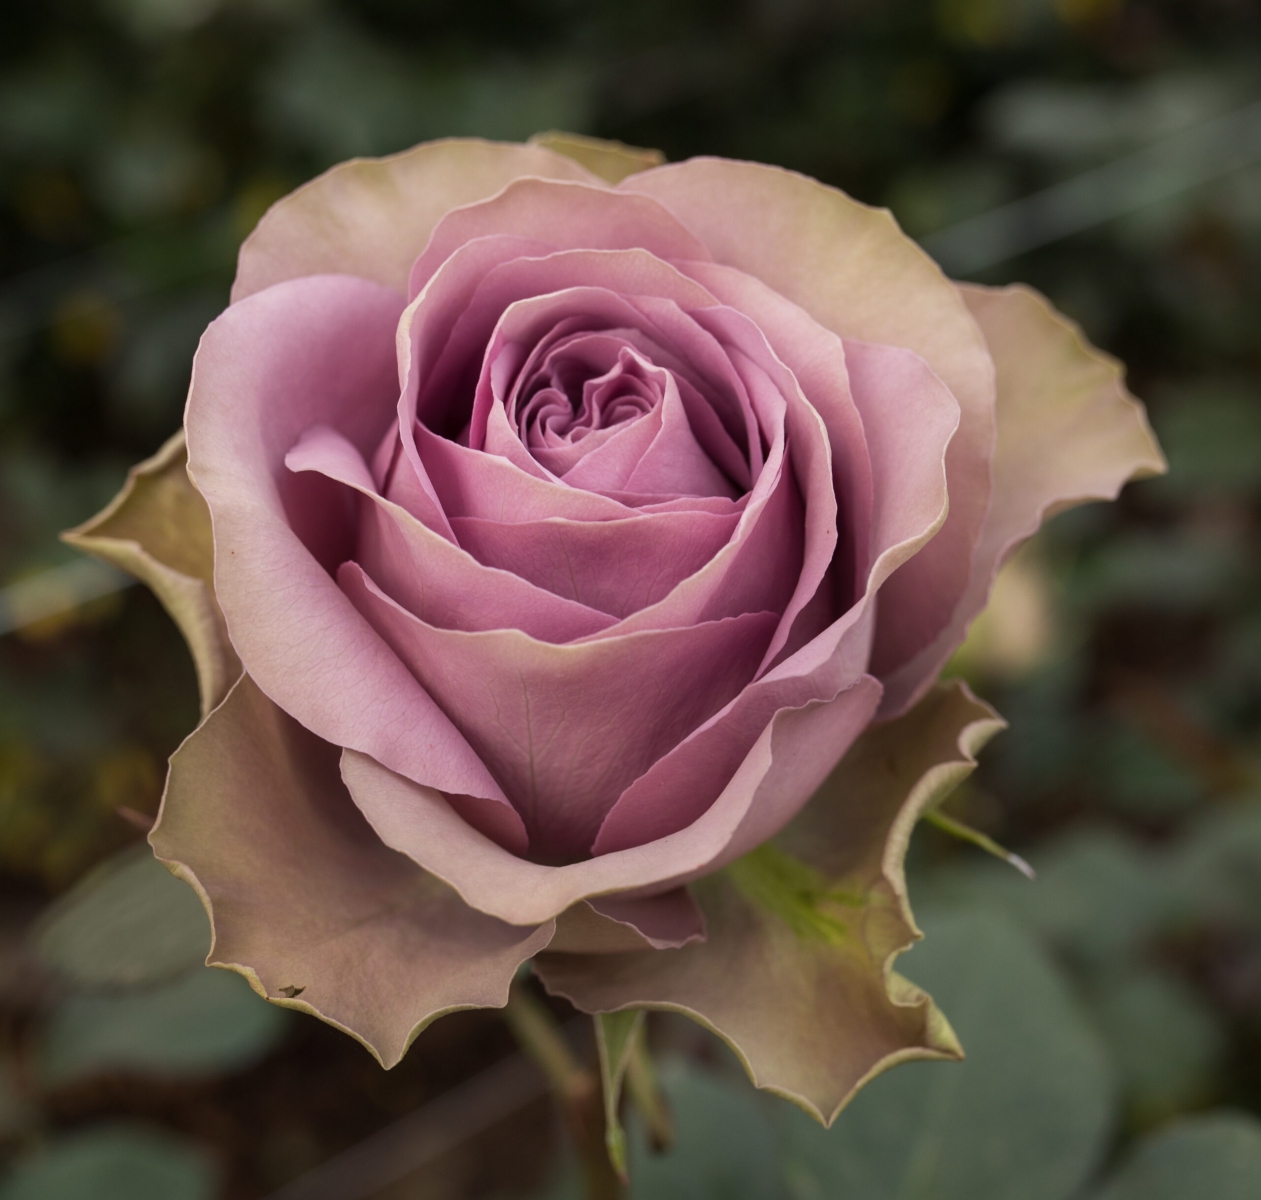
<point x="675" y="462"/>
<point x="678" y="788"/>
<point x="567" y="216"/>
<point x="158" y="529"/>
<point x="521" y="300"/>
<point x="787" y="763"/>
<point x="439" y="582"/>
<point x="304" y="898"/>
<point x="779" y="555"/>
<point x="372" y="217"/>
<point x="615" y="567"/>
<point x="755" y="571"/>
<point x="1068" y="432"/>
<point x="566" y="728"/>
<point x="809" y="454"/>
<point x="899" y="396"/>
<point x="814" y="1018"/>
<point x="420" y="341"/>
<point x="673" y="332"/>
<point x="487" y="487"/>
<point x="309" y="352"/>
<point x="857" y="274"/>
<point x="816" y="357"/>
<point x="907" y="453"/>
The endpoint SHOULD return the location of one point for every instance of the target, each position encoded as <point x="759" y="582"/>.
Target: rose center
<point x="570" y="398"/>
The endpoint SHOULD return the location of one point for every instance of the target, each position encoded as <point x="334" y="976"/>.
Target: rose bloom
<point x="555" y="525"/>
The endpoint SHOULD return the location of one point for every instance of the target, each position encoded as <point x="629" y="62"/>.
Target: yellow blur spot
<point x="1016" y="632"/>
<point x="85" y="328"/>
<point x="1086" y="12"/>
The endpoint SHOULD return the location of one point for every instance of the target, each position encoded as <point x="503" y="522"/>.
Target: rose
<point x="570" y="524"/>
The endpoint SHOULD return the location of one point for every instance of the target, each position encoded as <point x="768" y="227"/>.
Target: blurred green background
<point x="1112" y="1010"/>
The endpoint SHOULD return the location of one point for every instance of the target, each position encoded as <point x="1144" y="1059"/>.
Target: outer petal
<point x="1068" y="432"/>
<point x="373" y="216"/>
<point x="611" y="161"/>
<point x="565" y="216"/>
<point x="158" y="529"/>
<point x="811" y="1005"/>
<point x="305" y="901"/>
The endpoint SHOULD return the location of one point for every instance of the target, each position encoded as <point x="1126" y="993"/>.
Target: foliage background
<point x="139" y="142"/>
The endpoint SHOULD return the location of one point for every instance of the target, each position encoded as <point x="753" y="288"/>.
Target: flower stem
<point x="641" y="1083"/>
<point x="575" y="1087"/>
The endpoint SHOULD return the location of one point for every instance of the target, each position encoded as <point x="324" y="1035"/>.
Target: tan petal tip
<point x="611" y="161"/>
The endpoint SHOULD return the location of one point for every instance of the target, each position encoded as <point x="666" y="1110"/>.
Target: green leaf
<point x="1166" y="1040"/>
<point x="113" y="1162"/>
<point x="1217" y="873"/>
<point x="129" y="923"/>
<point x="615" y="1035"/>
<point x="1024" y="1117"/>
<point x="205" y="1023"/>
<point x="982" y="841"/>
<point x="1216" y="1157"/>
<point x="1098" y="899"/>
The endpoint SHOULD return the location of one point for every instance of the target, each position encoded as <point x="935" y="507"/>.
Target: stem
<point x="576" y="1088"/>
<point x="641" y="1084"/>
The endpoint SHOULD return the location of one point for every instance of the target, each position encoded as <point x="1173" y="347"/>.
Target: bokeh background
<point x="1112" y="1009"/>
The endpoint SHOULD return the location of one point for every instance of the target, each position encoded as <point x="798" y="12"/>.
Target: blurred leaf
<point x="1218" y="870"/>
<point x="1089" y="120"/>
<point x="113" y="1162"/>
<point x="1165" y="1040"/>
<point x="1097" y="898"/>
<point x="1211" y="432"/>
<point x="1216" y="1157"/>
<point x="1178" y="570"/>
<point x="1024" y="1117"/>
<point x="342" y="93"/>
<point x="1139" y="776"/>
<point x="203" y="1024"/>
<point x="129" y="923"/>
<point x="724" y="1145"/>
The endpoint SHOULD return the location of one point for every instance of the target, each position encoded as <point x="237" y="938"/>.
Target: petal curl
<point x="565" y="216"/>
<point x="372" y="216"/>
<point x="806" y="996"/>
<point x="615" y="924"/>
<point x="1068" y="432"/>
<point x="158" y="529"/>
<point x="611" y="161"/>
<point x="303" y="898"/>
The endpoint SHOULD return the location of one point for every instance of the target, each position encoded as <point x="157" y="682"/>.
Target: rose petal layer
<point x="854" y="271"/>
<point x="1068" y="432"/>
<point x="158" y="529"/>
<point x="787" y="763"/>
<point x="305" y="901"/>
<point x="315" y="351"/>
<point x="810" y="1005"/>
<point x="372" y="216"/>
